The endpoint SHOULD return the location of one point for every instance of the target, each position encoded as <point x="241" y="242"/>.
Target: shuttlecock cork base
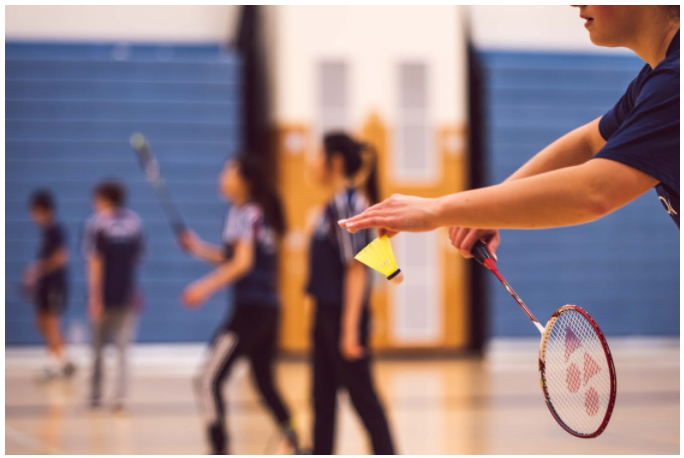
<point x="378" y="256"/>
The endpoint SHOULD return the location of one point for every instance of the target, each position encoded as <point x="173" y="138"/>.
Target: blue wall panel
<point x="70" y="110"/>
<point x="624" y="269"/>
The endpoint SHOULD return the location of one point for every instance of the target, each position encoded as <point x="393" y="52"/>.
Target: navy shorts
<point x="51" y="300"/>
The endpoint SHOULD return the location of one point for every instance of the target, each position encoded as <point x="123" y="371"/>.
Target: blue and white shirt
<point x="119" y="239"/>
<point x="259" y="286"/>
<point x="333" y="248"/>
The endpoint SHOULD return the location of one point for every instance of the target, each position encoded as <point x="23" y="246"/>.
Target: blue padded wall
<point x="70" y="110"/>
<point x="624" y="269"/>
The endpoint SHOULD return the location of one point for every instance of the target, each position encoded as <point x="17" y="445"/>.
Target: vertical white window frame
<point x="417" y="312"/>
<point x="332" y="98"/>
<point x="415" y="158"/>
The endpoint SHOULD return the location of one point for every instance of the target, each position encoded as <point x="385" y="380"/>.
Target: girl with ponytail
<point x="247" y="261"/>
<point x="340" y="286"/>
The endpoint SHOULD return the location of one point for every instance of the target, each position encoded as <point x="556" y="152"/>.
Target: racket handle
<point x="480" y="252"/>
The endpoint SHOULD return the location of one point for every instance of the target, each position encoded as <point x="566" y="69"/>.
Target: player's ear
<point x="337" y="164"/>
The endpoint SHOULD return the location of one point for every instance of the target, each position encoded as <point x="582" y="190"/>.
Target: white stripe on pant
<point x="222" y="350"/>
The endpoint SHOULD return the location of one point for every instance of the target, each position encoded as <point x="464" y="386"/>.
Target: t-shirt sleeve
<point x="247" y="223"/>
<point x="54" y="241"/>
<point x="613" y="118"/>
<point x="647" y="138"/>
<point x="241" y="224"/>
<point x="349" y="244"/>
<point x="88" y="241"/>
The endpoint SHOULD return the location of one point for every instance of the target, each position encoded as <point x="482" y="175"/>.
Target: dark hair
<point x="41" y="199"/>
<point x="111" y="191"/>
<point x="673" y="12"/>
<point x="262" y="190"/>
<point x="353" y="153"/>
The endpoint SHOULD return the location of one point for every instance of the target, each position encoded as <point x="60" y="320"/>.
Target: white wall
<point x="130" y="23"/>
<point x="546" y="28"/>
<point x="372" y="40"/>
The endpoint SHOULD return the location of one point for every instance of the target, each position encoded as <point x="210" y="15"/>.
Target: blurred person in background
<point x="113" y="245"/>
<point x="248" y="261"/>
<point x="586" y="174"/>
<point x="45" y="281"/>
<point x="341" y="288"/>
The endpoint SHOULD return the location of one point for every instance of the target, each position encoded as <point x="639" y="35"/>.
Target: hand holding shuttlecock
<point x="378" y="255"/>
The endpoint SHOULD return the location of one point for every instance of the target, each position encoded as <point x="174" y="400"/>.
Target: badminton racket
<point x="150" y="168"/>
<point x="575" y="364"/>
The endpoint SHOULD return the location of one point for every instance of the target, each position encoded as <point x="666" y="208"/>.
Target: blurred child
<point x="341" y="288"/>
<point x="113" y="244"/>
<point x="248" y="261"/>
<point x="46" y="279"/>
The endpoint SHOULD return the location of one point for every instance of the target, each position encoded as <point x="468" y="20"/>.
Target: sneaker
<point x="47" y="375"/>
<point x="119" y="408"/>
<point x="291" y="439"/>
<point x="68" y="370"/>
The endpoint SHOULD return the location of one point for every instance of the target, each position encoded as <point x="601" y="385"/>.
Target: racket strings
<point x="576" y="373"/>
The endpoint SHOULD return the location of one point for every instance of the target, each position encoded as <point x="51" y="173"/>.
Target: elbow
<point x="598" y="202"/>
<point x="242" y="268"/>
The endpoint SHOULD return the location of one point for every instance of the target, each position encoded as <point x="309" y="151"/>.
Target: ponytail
<point x="360" y="162"/>
<point x="369" y="173"/>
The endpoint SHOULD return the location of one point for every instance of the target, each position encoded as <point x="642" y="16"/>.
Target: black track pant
<point x="332" y="372"/>
<point x="252" y="332"/>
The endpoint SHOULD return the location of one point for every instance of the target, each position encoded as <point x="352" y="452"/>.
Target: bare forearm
<point x="53" y="263"/>
<point x="208" y="253"/>
<point x="354" y="289"/>
<point x="221" y="277"/>
<point x="572" y="149"/>
<point x="95" y="272"/>
<point x="565" y="197"/>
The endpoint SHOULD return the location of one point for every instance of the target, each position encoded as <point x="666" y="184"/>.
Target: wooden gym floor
<point x="445" y="406"/>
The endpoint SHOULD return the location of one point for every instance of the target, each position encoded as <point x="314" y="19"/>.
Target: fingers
<point x="364" y="221"/>
<point x="494" y="244"/>
<point x="387" y="232"/>
<point x="468" y="242"/>
<point x="459" y="233"/>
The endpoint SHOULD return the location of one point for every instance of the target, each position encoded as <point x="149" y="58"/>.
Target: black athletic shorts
<point x="51" y="300"/>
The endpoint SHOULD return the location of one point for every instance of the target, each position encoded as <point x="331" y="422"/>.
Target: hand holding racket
<point x="575" y="364"/>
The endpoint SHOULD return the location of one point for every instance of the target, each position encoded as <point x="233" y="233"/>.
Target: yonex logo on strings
<point x="574" y="378"/>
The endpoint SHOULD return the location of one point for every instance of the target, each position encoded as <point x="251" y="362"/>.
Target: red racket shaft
<point x="482" y="255"/>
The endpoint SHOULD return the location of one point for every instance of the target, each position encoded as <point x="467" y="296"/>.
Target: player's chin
<point x="604" y="40"/>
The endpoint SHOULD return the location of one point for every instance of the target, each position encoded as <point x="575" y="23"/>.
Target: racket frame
<point x="611" y="368"/>
<point x="150" y="167"/>
<point x="484" y="257"/>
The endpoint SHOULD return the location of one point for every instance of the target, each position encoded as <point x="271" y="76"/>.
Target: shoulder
<point x="93" y="222"/>
<point x="131" y="219"/>
<point x="248" y="212"/>
<point x="663" y="81"/>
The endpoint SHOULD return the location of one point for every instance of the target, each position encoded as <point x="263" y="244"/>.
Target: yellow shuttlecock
<point x="378" y="255"/>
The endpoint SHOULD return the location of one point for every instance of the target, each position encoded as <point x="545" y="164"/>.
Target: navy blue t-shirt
<point x="52" y="240"/>
<point x="259" y="286"/>
<point x="333" y="248"/>
<point x="642" y="129"/>
<point x="118" y="239"/>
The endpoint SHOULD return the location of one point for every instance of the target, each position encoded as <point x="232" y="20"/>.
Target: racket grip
<point x="480" y="252"/>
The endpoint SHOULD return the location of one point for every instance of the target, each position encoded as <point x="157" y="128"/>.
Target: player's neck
<point x="109" y="210"/>
<point x="239" y="201"/>
<point x="49" y="221"/>
<point x="652" y="48"/>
